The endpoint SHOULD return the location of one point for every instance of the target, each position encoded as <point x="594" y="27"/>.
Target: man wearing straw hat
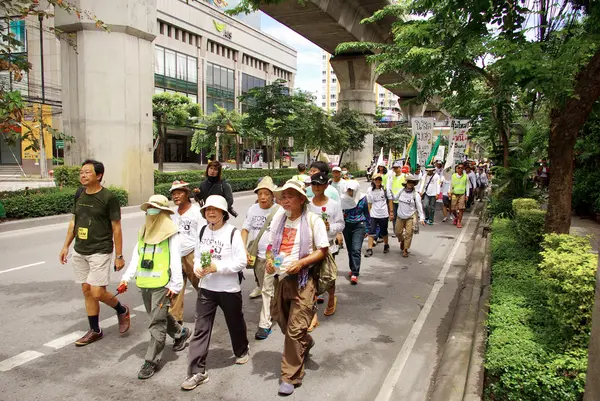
<point x="189" y="221"/>
<point x="299" y="241"/>
<point x="255" y="234"/>
<point x="156" y="265"/>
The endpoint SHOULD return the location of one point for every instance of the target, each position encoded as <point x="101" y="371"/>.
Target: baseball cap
<point x="336" y="169"/>
<point x="397" y="163"/>
<point x="318" y="178"/>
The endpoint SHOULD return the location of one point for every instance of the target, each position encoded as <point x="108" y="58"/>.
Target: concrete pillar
<point x="107" y="88"/>
<point x="357" y="82"/>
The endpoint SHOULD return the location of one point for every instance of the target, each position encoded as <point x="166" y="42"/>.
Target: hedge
<point x="48" y="203"/>
<point x="527" y="358"/>
<point x="524" y="204"/>
<point x="67" y="176"/>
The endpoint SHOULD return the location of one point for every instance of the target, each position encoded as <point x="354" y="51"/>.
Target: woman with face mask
<point x="215" y="184"/>
<point x="356" y="214"/>
<point x="219" y="259"/>
<point x="156" y="265"/>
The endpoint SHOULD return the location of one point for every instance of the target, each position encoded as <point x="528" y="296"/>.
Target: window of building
<point x="159" y="60"/>
<point x="323" y="104"/>
<point x="181" y="66"/>
<point x="184" y="36"/>
<point x="250" y="82"/>
<point x="175" y="72"/>
<point x="324" y="81"/>
<point x="220" y="88"/>
<point x="176" y="34"/>
<point x="332" y="96"/>
<point x="170" y="62"/>
<point x="323" y="97"/>
<point x="17" y="29"/>
<point x="161" y="27"/>
<point x="333" y="80"/>
<point x="169" y="30"/>
<point x="332" y="104"/>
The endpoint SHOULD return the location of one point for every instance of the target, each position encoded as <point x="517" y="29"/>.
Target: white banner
<point x="440" y="153"/>
<point x="460" y="139"/>
<point x="422" y="127"/>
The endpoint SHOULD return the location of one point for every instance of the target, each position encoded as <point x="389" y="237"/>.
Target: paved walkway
<point x="580" y="226"/>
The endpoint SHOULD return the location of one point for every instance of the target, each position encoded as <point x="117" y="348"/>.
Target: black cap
<point x="319" y="178"/>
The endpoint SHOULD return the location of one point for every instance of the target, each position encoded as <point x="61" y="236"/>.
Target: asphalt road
<point x="383" y="343"/>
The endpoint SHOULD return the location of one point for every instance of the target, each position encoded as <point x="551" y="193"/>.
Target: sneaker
<point x="194" y="381"/>
<point x="320" y="299"/>
<point x="124" y="320"/>
<point x="147" y="370"/>
<point x="243" y="359"/>
<point x="286" y="389"/>
<point x="350" y="274"/>
<point x="256" y="292"/>
<point x="262" y="334"/>
<point x="369" y="253"/>
<point x="354" y="280"/>
<point x="179" y="344"/>
<point x="90" y="337"/>
<point x="430" y="222"/>
<point x="445" y="219"/>
<point x="386" y="248"/>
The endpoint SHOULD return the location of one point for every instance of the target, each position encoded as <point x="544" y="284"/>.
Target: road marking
<point x="140" y="308"/>
<point x="65" y="340"/>
<point x="385" y="393"/>
<point x="21" y="267"/>
<point x="18" y="360"/>
<point x="111" y="321"/>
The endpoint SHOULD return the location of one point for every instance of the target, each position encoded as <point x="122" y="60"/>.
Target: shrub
<point x="529" y="226"/>
<point x="48" y="203"/>
<point x="67" y="176"/>
<point x="524" y="204"/>
<point x="26" y="192"/>
<point x="569" y="269"/>
<point x="500" y="206"/>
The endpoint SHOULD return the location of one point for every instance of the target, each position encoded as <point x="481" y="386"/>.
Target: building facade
<point x="327" y="99"/>
<point x="200" y="52"/>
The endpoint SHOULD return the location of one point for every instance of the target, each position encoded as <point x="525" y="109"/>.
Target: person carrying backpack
<point x="214" y="184"/>
<point x="409" y="203"/>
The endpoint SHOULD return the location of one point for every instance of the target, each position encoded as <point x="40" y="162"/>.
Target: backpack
<point x="324" y="272"/>
<point x="240" y="274"/>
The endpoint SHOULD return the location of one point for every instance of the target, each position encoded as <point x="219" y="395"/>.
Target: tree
<point x="355" y="129"/>
<point x="393" y="139"/>
<point x="171" y="110"/>
<point x="13" y="105"/>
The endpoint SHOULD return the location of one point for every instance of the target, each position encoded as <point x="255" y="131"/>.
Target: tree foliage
<point x="393" y="139"/>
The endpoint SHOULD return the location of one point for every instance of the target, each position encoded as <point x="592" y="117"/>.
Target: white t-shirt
<point x="378" y="201"/>
<point x="189" y="225"/>
<point x="336" y="219"/>
<point x="228" y="255"/>
<point x="446" y="181"/>
<point x="290" y="243"/>
<point x="255" y="220"/>
<point x="339" y="186"/>
<point x="409" y="203"/>
<point x="430" y="188"/>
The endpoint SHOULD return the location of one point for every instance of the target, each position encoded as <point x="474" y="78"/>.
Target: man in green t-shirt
<point x="96" y="222"/>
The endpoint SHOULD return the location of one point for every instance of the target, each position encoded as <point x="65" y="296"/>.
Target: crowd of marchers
<point x="289" y="241"/>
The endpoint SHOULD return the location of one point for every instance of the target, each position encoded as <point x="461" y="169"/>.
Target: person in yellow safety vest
<point x="301" y="176"/>
<point x="394" y="186"/>
<point x="458" y="193"/>
<point x="156" y="265"/>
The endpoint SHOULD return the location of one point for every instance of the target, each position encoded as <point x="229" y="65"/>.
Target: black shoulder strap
<point x="232" y="233"/>
<point x="79" y="192"/>
<point x="202" y="233"/>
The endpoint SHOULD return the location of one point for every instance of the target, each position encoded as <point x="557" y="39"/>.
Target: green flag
<point x="434" y="150"/>
<point x="412" y="154"/>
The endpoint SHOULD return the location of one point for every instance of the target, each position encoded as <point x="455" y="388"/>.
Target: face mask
<point x="152" y="212"/>
<point x="213" y="179"/>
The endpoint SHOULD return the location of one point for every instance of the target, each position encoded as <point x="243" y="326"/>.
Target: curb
<point x="65" y="218"/>
<point x="455" y="376"/>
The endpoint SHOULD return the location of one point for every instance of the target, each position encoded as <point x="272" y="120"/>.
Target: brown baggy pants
<point x="187" y="263"/>
<point x="401" y="226"/>
<point x="293" y="309"/>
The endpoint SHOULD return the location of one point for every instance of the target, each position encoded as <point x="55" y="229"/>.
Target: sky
<point x="308" y="77"/>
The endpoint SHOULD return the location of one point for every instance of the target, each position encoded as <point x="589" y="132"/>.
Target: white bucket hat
<point x="157" y="201"/>
<point x="179" y="185"/>
<point x="215" y="201"/>
<point x="266" y="183"/>
<point x="291" y="184"/>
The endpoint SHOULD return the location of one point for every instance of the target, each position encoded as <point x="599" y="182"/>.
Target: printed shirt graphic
<point x="255" y="220"/>
<point x="189" y="225"/>
<point x="93" y="217"/>
<point x="378" y="201"/>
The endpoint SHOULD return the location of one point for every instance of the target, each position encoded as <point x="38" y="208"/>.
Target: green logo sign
<point x="219" y="26"/>
<point x="60" y="144"/>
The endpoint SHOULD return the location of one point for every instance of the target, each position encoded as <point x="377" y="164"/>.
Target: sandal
<point x="405" y="254"/>
<point x="329" y="312"/>
<point x="313" y="325"/>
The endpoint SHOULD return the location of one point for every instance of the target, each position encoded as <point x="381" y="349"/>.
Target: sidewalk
<point x="589" y="227"/>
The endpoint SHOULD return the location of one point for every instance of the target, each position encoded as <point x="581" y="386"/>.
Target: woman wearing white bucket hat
<point x="156" y="265"/>
<point x="219" y="259"/>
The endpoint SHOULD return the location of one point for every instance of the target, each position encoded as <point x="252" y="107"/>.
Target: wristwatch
<point x="120" y="257"/>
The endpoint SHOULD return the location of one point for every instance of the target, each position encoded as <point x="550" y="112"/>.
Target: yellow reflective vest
<point x="459" y="184"/>
<point x="159" y="274"/>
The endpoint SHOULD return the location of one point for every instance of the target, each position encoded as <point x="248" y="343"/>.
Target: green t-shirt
<point x="93" y="216"/>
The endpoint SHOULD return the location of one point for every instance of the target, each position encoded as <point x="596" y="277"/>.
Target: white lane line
<point x="18" y="360"/>
<point x="21" y="267"/>
<point x="385" y="393"/>
<point x="140" y="308"/>
<point x="111" y="321"/>
<point x="65" y="340"/>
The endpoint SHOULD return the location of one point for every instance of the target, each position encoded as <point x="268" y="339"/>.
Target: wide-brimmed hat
<point x="411" y="178"/>
<point x="158" y="202"/>
<point x="429" y="168"/>
<point x="291" y="184"/>
<point x="215" y="201"/>
<point x="180" y="185"/>
<point x="376" y="176"/>
<point x="265" y="183"/>
<point x="397" y="163"/>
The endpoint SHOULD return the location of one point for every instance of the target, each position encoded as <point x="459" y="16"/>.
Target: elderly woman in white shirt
<point x="409" y="203"/>
<point x="219" y="258"/>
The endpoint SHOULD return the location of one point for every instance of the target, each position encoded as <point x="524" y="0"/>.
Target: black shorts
<point x="446" y="201"/>
<point x="381" y="223"/>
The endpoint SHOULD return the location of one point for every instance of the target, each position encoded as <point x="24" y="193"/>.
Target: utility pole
<point x="43" y="164"/>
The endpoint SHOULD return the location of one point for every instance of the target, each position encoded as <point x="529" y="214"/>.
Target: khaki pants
<point x="293" y="309"/>
<point x="266" y="284"/>
<point x="187" y="263"/>
<point x="401" y="226"/>
<point x="161" y="322"/>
